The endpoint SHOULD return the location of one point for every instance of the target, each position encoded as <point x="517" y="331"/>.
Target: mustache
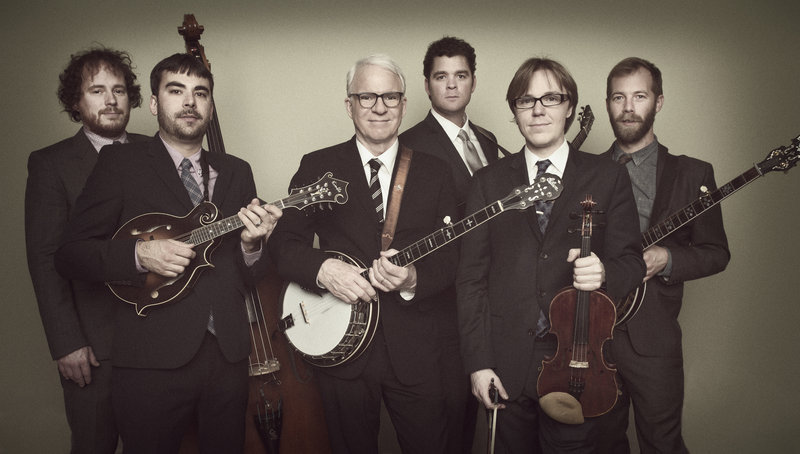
<point x="629" y="117"/>
<point x="111" y="110"/>
<point x="189" y="113"/>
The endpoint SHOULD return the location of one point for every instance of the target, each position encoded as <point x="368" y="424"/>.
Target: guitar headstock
<point x="325" y="190"/>
<point x="546" y="187"/>
<point x="783" y="158"/>
<point x="586" y="118"/>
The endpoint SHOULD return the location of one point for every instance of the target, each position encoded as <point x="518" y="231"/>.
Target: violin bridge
<point x="579" y="364"/>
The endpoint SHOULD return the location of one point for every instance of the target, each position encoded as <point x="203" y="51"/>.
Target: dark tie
<point x="195" y="193"/>
<point x="624" y="158"/>
<point x="543" y="208"/>
<point x="470" y="152"/>
<point x="197" y="196"/>
<point x="375" y="188"/>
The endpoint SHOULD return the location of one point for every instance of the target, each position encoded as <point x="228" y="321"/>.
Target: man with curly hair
<point x="97" y="89"/>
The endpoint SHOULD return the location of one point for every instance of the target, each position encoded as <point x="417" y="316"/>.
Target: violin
<point x="576" y="383"/>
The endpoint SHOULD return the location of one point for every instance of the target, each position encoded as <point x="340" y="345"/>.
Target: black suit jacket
<point x="509" y="271"/>
<point x="134" y="179"/>
<point x="407" y="326"/>
<point x="56" y="175"/>
<point x="428" y="136"/>
<point x="698" y="249"/>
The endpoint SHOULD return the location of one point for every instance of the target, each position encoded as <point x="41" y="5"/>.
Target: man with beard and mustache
<point x="98" y="89"/>
<point x="647" y="348"/>
<point x="185" y="362"/>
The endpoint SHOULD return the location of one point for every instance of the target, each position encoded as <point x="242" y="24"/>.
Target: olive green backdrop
<point x="731" y="90"/>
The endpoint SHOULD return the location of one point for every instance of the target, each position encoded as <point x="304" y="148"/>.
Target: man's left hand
<point x="387" y="277"/>
<point x="259" y="221"/>
<point x="589" y="272"/>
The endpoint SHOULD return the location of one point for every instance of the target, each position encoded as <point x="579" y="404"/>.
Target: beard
<point x="105" y="127"/>
<point x="189" y="133"/>
<point x="633" y="133"/>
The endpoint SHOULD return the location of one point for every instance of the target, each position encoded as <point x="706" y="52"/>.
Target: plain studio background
<point x="731" y="91"/>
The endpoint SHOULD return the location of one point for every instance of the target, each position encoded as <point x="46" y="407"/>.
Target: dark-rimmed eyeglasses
<point x="368" y="100"/>
<point x="548" y="100"/>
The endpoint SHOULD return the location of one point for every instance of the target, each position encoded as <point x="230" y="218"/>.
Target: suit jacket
<point x="428" y="136"/>
<point x="698" y="249"/>
<point x="56" y="175"/>
<point x="509" y="271"/>
<point x="407" y="326"/>
<point x="134" y="179"/>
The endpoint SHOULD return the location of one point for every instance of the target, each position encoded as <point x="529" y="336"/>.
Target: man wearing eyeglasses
<point x="651" y="367"/>
<point x="447" y="133"/>
<point x="511" y="268"/>
<point x="400" y="366"/>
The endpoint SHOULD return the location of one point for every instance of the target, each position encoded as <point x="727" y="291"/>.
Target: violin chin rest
<point x="562" y="407"/>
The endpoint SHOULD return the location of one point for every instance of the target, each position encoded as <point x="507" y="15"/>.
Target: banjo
<point x="328" y="332"/>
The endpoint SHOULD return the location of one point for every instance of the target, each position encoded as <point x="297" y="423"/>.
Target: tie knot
<point x="624" y="158"/>
<point x="463" y="135"/>
<point x="542" y="166"/>
<point x="186" y="164"/>
<point x="375" y="164"/>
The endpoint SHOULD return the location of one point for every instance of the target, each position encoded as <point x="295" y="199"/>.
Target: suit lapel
<point x="163" y="167"/>
<point x="665" y="179"/>
<point x="450" y="154"/>
<point x="519" y="177"/>
<point x="224" y="177"/>
<point x="350" y="167"/>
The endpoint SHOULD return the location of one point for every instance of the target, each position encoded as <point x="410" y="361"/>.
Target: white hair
<point x="381" y="60"/>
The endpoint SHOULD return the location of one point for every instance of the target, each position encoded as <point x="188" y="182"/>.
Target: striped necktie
<point x="375" y="188"/>
<point x="195" y="194"/>
<point x="543" y="208"/>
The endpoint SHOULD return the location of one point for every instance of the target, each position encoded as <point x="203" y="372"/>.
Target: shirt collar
<point x="386" y="158"/>
<point x="452" y="129"/>
<point x="99" y="141"/>
<point x="638" y="156"/>
<point x="177" y="157"/>
<point x="558" y="160"/>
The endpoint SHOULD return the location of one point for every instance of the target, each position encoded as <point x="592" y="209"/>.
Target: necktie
<point x="375" y="188"/>
<point x="543" y="208"/>
<point x="470" y="152"/>
<point x="195" y="194"/>
<point x="624" y="158"/>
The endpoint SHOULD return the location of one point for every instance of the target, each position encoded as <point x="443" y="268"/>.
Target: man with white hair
<point x="400" y="365"/>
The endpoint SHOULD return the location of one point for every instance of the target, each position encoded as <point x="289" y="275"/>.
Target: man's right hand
<point x="165" y="257"/>
<point x="76" y="366"/>
<point x="480" y="387"/>
<point x="345" y="282"/>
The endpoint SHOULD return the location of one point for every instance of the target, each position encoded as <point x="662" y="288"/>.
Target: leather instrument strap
<point x="396" y="197"/>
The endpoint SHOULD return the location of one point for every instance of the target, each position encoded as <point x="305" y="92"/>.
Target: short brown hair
<point x="629" y="66"/>
<point x="522" y="79"/>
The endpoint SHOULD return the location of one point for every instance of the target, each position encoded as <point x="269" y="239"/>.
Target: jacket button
<point x="543" y="255"/>
<point x="531" y="332"/>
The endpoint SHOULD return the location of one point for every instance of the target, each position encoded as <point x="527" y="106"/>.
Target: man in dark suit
<point x="187" y="359"/>
<point x="449" y="70"/>
<point x="647" y="349"/>
<point x="400" y="366"/>
<point x="513" y="266"/>
<point x="98" y="89"/>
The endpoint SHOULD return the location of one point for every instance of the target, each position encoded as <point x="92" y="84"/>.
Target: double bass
<point x="284" y="407"/>
<point x="576" y="382"/>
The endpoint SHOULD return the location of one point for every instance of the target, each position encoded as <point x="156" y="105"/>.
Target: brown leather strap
<point x="396" y="197"/>
<point x="488" y="137"/>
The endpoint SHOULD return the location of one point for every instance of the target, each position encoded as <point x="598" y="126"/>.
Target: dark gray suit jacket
<point x="56" y="175"/>
<point x="138" y="178"/>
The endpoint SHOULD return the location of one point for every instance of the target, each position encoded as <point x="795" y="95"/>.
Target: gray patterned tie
<point x="470" y="152"/>
<point x="375" y="188"/>
<point x="196" y="195"/>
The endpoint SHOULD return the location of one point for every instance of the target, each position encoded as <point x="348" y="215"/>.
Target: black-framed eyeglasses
<point x="548" y="100"/>
<point x="368" y="100"/>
